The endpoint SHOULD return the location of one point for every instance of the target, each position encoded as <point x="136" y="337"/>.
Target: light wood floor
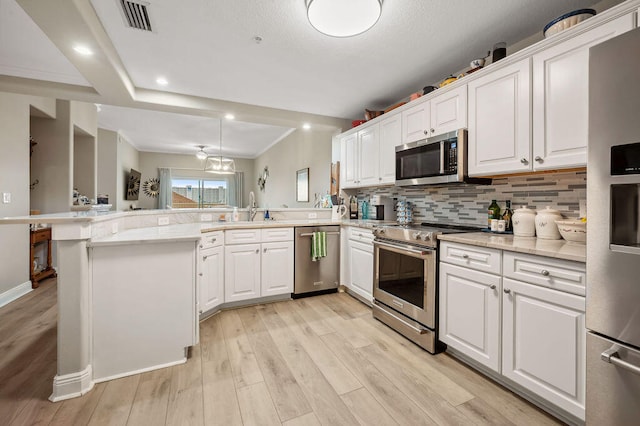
<point x="321" y="360"/>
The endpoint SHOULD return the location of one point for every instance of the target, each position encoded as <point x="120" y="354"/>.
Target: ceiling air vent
<point x="136" y="15"/>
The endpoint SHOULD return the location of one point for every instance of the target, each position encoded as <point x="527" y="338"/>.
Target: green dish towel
<point x="318" y="245"/>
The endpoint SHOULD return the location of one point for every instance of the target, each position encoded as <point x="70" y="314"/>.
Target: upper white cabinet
<point x="561" y="97"/>
<point x="441" y="114"/>
<point x="416" y="122"/>
<point x="390" y="137"/>
<point x="449" y="111"/>
<point x="499" y="121"/>
<point x="368" y="156"/>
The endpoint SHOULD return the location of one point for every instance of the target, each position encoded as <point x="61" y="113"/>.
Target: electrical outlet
<point x="206" y="217"/>
<point x="163" y="220"/>
<point x="114" y="228"/>
<point x="6" y="197"/>
<point x="313" y="215"/>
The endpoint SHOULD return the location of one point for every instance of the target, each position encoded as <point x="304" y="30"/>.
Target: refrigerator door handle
<point x="611" y="356"/>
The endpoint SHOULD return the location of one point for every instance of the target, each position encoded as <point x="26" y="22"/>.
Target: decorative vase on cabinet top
<point x="524" y="222"/>
<point x="546" y="227"/>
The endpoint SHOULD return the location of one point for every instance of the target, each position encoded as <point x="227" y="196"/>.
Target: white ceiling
<point x="206" y="50"/>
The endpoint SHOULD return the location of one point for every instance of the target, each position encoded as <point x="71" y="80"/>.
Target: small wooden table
<point x="39" y="236"/>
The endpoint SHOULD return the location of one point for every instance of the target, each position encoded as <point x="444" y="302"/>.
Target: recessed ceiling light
<point x="162" y="81"/>
<point x="229" y="116"/>
<point x="306" y="126"/>
<point x="83" y="50"/>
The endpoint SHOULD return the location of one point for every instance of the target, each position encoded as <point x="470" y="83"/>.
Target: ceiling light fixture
<point x="340" y="18"/>
<point x="306" y="126"/>
<point x="229" y="116"/>
<point x="201" y="154"/>
<point x="219" y="164"/>
<point x="83" y="50"/>
<point x="162" y="81"/>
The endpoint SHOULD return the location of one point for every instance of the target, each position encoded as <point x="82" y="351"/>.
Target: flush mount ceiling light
<point x="162" y="81"/>
<point x="201" y="154"/>
<point x="340" y="18"/>
<point x="229" y="116"/>
<point x="83" y="50"/>
<point x="306" y="126"/>
<point x="219" y="164"/>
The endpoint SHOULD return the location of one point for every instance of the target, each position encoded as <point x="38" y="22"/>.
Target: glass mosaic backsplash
<point x="468" y="204"/>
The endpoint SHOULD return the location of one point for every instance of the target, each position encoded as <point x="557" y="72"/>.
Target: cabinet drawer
<point x="43" y="234"/>
<point x="277" y="234"/>
<point x="242" y="236"/>
<point x="478" y="258"/>
<point x="360" y="234"/>
<point x="557" y="274"/>
<point x="211" y="239"/>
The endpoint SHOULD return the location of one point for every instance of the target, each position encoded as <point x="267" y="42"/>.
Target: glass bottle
<point x="493" y="212"/>
<point x="506" y="216"/>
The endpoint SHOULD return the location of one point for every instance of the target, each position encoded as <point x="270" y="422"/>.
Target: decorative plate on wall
<point x="151" y="187"/>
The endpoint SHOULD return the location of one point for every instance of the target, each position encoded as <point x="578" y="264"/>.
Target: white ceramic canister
<point x="546" y="227"/>
<point x="524" y="224"/>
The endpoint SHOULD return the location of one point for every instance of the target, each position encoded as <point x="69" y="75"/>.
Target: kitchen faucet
<point x="253" y="209"/>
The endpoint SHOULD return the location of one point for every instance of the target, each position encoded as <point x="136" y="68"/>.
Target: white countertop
<point x="559" y="249"/>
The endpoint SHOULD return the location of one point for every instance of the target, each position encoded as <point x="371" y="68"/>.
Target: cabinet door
<point x="361" y="258"/>
<point x="390" y="137"/>
<point x="211" y="278"/>
<point x="500" y="121"/>
<point x="561" y="97"/>
<point x="544" y="343"/>
<point x="345" y="260"/>
<point x="369" y="152"/>
<point x="449" y="111"/>
<point x="416" y="122"/>
<point x="242" y="272"/>
<point x="348" y="161"/>
<point x="470" y="313"/>
<point x="277" y="268"/>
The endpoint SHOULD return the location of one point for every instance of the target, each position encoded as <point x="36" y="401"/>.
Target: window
<point x="199" y="193"/>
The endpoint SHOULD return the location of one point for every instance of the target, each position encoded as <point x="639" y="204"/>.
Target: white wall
<point x="108" y="165"/>
<point x="299" y="150"/>
<point x="127" y="158"/>
<point x="84" y="164"/>
<point x="185" y="166"/>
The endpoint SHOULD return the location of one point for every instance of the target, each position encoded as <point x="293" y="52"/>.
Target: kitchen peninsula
<point x="128" y="288"/>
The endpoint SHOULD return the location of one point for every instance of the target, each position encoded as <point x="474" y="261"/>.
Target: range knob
<point x="417" y="235"/>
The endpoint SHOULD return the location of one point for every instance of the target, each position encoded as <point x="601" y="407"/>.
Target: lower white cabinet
<point x="470" y="313"/>
<point x="530" y="330"/>
<point x="361" y="257"/>
<point x="211" y="278"/>
<point x="258" y="269"/>
<point x="544" y="343"/>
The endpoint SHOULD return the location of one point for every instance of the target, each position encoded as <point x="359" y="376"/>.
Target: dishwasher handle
<point x="308" y="234"/>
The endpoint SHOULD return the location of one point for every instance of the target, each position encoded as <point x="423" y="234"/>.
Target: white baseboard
<point x="72" y="385"/>
<point x="15" y="293"/>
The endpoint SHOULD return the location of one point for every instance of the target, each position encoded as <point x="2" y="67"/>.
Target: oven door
<point x="404" y="279"/>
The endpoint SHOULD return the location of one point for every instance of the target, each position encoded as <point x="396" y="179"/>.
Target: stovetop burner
<point x="423" y="234"/>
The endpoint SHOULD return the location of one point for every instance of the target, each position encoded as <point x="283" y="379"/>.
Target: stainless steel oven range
<point x="405" y="280"/>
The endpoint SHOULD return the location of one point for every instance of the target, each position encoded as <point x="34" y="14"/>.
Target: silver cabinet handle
<point x="200" y="274"/>
<point x="492" y="286"/>
<point x="507" y="291"/>
<point x="200" y="246"/>
<point x="426" y="132"/>
<point x="204" y="257"/>
<point x="524" y="161"/>
<point x="265" y="250"/>
<point x="257" y="251"/>
<point x="213" y="240"/>
<point x="544" y="272"/>
<point x="611" y="356"/>
<point x="465" y="256"/>
<point x="539" y="159"/>
<point x="432" y="131"/>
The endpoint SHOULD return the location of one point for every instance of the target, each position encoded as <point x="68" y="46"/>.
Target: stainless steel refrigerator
<point x="613" y="233"/>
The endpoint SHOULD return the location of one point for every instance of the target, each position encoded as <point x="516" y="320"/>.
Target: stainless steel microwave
<point x="437" y="160"/>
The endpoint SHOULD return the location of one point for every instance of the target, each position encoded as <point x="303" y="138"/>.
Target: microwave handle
<point x="441" y="157"/>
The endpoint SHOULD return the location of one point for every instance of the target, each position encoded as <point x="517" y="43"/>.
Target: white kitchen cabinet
<point x="500" y="121"/>
<point x="349" y="161"/>
<point x="390" y="137"/>
<point x="470" y="307"/>
<point x="544" y="343"/>
<point x="561" y="97"/>
<point x="242" y="272"/>
<point x="448" y="111"/>
<point x="361" y="269"/>
<point x="211" y="278"/>
<point x="260" y="269"/>
<point x="369" y="156"/>
<point x="277" y="268"/>
<point x="416" y="122"/>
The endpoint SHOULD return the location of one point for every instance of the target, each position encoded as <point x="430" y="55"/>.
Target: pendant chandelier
<point x="343" y="18"/>
<point x="219" y="164"/>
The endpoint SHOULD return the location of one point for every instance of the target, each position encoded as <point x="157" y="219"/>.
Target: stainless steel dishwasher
<point x="323" y="275"/>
